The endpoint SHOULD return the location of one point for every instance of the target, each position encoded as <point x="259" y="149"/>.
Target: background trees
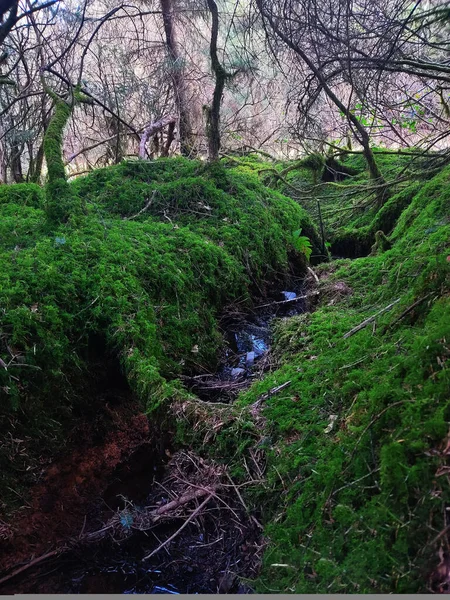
<point x="209" y="77"/>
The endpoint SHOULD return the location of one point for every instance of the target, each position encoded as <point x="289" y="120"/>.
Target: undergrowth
<point x="346" y="466"/>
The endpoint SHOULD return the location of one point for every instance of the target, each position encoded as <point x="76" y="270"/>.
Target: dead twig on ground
<point x="370" y="319"/>
<point x="408" y="310"/>
<point x="30" y="564"/>
<point x="316" y="279"/>
<point x="185" y="524"/>
<point x="256" y="405"/>
<point x="146" y="207"/>
<point x="303" y="297"/>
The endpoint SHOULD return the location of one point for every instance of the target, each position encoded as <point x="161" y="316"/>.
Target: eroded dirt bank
<point x="70" y="492"/>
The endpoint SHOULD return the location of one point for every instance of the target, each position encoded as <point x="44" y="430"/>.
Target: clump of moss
<point x="23" y="194"/>
<point x="356" y="241"/>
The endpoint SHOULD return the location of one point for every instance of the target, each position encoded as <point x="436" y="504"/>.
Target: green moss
<point x="356" y="508"/>
<point x="346" y="455"/>
<point x="23" y="194"/>
<point x="152" y="287"/>
<point x="358" y="241"/>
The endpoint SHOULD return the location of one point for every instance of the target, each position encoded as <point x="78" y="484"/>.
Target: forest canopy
<point x="205" y="78"/>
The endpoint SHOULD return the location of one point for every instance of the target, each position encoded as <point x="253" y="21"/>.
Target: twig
<point x="304" y="297"/>
<point x="314" y="275"/>
<point x="198" y="493"/>
<point x="356" y="481"/>
<point x="409" y="309"/>
<point x="437" y="538"/>
<point x="238" y="493"/>
<point x="270" y="393"/>
<point x="146" y="207"/>
<point x="370" y="319"/>
<point x="185" y="524"/>
<point x="32" y="563"/>
<point x="223" y="386"/>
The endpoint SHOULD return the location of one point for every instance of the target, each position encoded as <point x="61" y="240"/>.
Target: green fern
<point x="302" y="243"/>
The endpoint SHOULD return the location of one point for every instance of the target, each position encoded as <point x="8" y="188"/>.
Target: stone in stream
<point x="237" y="372"/>
<point x="289" y="295"/>
<point x="250" y="359"/>
<point x="259" y="346"/>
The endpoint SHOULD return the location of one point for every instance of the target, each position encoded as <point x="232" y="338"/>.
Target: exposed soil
<point x="70" y="492"/>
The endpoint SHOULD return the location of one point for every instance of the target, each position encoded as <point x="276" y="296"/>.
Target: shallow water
<point x="248" y="348"/>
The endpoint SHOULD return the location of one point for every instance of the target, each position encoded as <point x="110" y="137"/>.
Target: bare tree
<point x="299" y="26"/>
<point x="177" y="72"/>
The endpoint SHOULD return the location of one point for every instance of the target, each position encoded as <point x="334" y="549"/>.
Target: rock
<point x="250" y="359"/>
<point x="237" y="372"/>
<point x="289" y="295"/>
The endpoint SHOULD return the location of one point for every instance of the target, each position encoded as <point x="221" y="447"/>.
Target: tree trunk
<point x="187" y="143"/>
<point x="213" y="112"/>
<point x="59" y="198"/>
<point x="3" y="175"/>
<point x="169" y="139"/>
<point x="36" y="170"/>
<point x="151" y="130"/>
<point x="16" y="165"/>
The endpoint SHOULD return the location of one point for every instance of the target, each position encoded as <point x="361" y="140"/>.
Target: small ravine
<point x="215" y="551"/>
<point x="247" y="355"/>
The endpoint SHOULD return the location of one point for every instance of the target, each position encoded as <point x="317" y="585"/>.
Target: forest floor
<point x="308" y="453"/>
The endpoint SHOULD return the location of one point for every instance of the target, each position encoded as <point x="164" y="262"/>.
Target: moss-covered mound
<point x="354" y="451"/>
<point x="149" y="286"/>
<point x="350" y="211"/>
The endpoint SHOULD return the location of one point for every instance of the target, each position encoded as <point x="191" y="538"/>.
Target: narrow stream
<point x="247" y="355"/>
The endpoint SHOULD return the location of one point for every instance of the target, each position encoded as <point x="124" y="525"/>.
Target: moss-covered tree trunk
<point x="59" y="197"/>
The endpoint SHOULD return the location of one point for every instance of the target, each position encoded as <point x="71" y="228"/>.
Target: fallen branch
<point x="185" y="524"/>
<point x="304" y="297"/>
<point x="32" y="563"/>
<point x="146" y="207"/>
<point x="154" y="515"/>
<point x="268" y="395"/>
<point x="198" y="493"/>
<point x="151" y="130"/>
<point x="409" y="309"/>
<point x="370" y="319"/>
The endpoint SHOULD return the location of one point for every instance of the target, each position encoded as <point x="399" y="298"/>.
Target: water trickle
<point x="248" y="352"/>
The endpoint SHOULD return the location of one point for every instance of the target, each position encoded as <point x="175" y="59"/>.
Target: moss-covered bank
<point x="347" y="465"/>
<point x="149" y="288"/>
<point x="353" y="453"/>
